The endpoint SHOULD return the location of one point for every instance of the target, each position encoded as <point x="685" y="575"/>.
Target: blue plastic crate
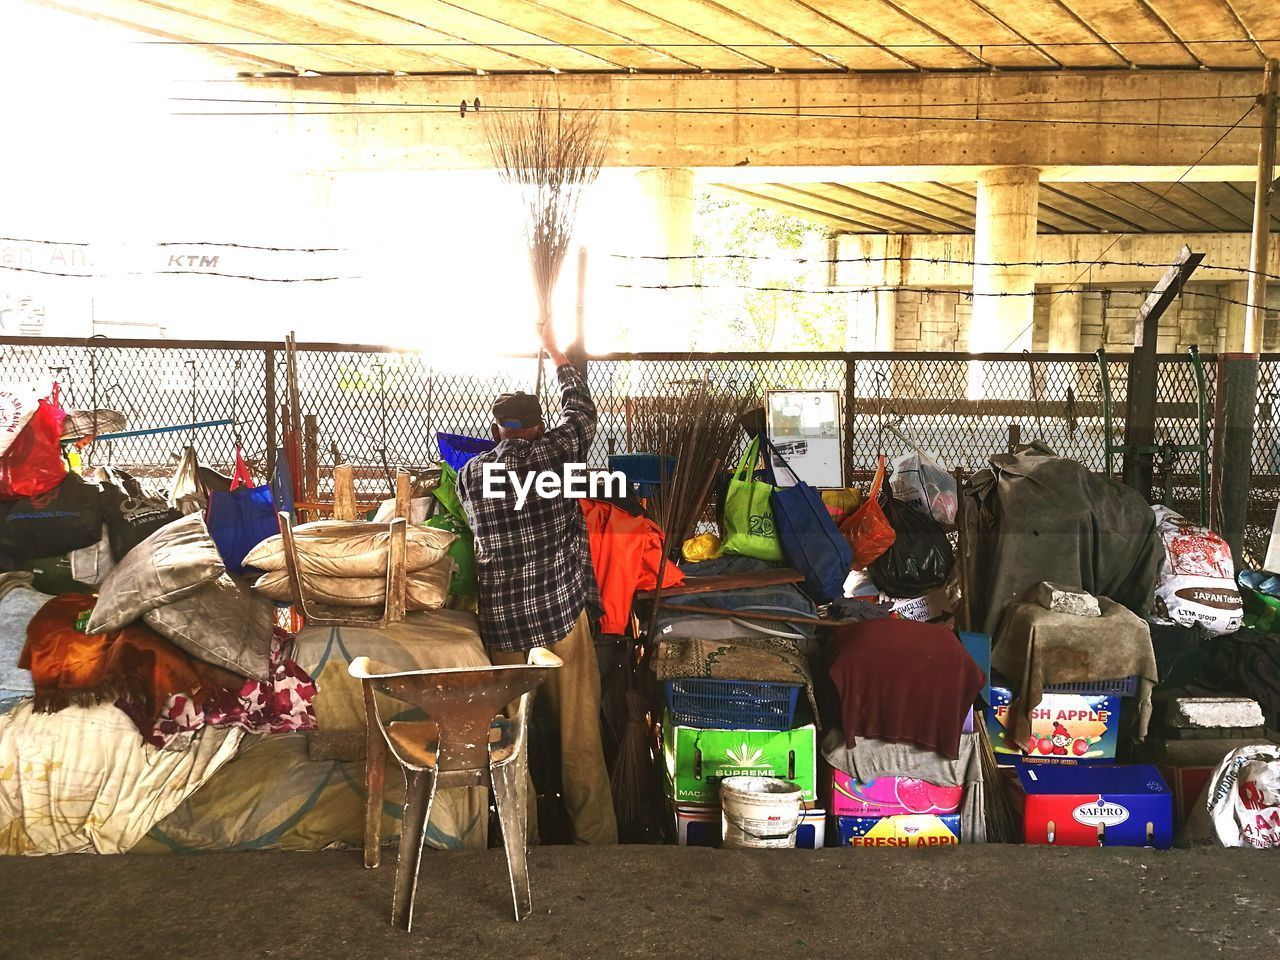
<point x="644" y="467"/>
<point x="1123" y="687"/>
<point x="732" y="704"/>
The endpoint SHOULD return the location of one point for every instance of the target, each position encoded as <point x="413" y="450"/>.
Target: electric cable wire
<point x="414" y="109"/>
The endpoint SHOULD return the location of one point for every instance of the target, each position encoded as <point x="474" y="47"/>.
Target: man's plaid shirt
<point x="533" y="564"/>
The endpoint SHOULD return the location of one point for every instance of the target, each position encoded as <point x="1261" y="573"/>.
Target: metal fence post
<point x="269" y="383"/>
<point x="850" y="410"/>
<point x="1238" y="390"/>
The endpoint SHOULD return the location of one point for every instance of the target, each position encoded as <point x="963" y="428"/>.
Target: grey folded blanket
<point x="19" y="602"/>
<point x="1035" y="647"/>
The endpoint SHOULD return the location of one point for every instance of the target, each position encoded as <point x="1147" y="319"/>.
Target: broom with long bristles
<point x="552" y="155"/>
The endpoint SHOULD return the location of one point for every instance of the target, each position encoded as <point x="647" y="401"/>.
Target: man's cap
<point x="518" y="410"/>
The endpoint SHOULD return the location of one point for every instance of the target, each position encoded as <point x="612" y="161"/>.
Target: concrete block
<point x="1214" y="713"/>
<point x="1071" y="600"/>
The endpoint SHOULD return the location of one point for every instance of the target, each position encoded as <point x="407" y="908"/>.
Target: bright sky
<point x="94" y="155"/>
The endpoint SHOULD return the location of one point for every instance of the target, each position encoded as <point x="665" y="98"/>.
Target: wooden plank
<point x="747" y="615"/>
<point x="310" y="457"/>
<point x="397" y="572"/>
<point x="404" y="495"/>
<point x="344" y="492"/>
<point x="727" y="581"/>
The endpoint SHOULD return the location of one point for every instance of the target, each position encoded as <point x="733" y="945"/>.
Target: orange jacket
<point x="625" y="554"/>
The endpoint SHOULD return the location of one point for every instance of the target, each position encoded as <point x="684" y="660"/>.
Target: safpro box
<point x="915" y="830"/>
<point x="701" y="825"/>
<point x="697" y="760"/>
<point x="1091" y="806"/>
<point x="890" y="796"/>
<point x="1066" y="728"/>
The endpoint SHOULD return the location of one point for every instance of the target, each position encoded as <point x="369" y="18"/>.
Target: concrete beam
<point x="923" y="260"/>
<point x="751" y="127"/>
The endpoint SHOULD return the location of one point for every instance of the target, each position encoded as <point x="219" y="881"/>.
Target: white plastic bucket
<point x="760" y="812"/>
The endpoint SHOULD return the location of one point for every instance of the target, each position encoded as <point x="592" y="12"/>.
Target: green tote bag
<point x="748" y="518"/>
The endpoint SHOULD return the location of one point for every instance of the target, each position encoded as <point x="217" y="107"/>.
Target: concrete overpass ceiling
<point x="690" y="36"/>
<point x="1065" y="207"/>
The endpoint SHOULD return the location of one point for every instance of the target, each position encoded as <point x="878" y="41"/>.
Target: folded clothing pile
<point x="906" y="692"/>
<point x="344" y="563"/>
<point x="173" y="637"/>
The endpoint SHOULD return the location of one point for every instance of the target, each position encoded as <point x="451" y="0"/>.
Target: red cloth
<point x="133" y="664"/>
<point x="625" y="554"/>
<point x="904" y="681"/>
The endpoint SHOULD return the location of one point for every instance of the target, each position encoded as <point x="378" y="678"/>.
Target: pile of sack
<point x="49" y="511"/>
<point x="895" y="539"/>
<point x="344" y="563"/>
<point x="1197" y="583"/>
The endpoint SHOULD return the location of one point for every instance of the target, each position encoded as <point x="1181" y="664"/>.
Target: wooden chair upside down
<point x="465" y="741"/>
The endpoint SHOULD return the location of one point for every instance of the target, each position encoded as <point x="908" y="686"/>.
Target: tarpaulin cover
<point x="1034" y="516"/>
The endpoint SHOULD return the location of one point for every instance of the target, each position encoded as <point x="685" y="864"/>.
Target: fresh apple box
<point x="1066" y="728"/>
<point x="912" y="830"/>
<point x="1095" y="806"/>
<point x="697" y="760"/>
<point x="890" y="796"/>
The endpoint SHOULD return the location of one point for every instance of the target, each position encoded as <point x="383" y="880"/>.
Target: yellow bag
<point x="841" y="503"/>
<point x="705" y="546"/>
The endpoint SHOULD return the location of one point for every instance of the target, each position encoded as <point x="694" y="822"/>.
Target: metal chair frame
<point x="466" y="741"/>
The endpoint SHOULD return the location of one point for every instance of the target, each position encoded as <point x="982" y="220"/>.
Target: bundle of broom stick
<point x="552" y="155"/>
<point x="699" y="429"/>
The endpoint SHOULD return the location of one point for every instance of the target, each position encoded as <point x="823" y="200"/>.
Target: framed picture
<point x="807" y="429"/>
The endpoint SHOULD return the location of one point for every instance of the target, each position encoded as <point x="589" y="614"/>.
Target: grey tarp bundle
<point x="1034" y="516"/>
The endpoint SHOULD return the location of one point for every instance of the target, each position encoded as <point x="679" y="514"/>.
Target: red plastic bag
<point x="867" y="529"/>
<point x="33" y="463"/>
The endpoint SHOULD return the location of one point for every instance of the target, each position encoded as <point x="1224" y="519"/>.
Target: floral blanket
<point x="285" y="704"/>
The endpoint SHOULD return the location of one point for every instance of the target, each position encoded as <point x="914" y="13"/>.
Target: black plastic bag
<point x="132" y="514"/>
<point x="63" y="519"/>
<point x="920" y="558"/>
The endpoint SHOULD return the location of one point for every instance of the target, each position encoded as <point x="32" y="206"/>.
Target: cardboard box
<point x="978" y="646"/>
<point x="1186" y="784"/>
<point x="1067" y="728"/>
<point x="701" y="825"/>
<point x="933" y="606"/>
<point x="1095" y="805"/>
<point x="890" y="796"/>
<point x="697" y="760"/>
<point x="915" y="830"/>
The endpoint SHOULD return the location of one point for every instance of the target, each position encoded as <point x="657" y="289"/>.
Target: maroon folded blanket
<point x="904" y="681"/>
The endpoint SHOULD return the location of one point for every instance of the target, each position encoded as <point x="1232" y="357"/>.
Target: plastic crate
<point x="732" y="704"/>
<point x="1124" y="687"/>
<point x="648" y="470"/>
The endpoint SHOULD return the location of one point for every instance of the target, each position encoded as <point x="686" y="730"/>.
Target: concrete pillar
<point x="1233" y="314"/>
<point x="1005" y="234"/>
<point x="873" y="320"/>
<point x="663" y="227"/>
<point x="1064" y="319"/>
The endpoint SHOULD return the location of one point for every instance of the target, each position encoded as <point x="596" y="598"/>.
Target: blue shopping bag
<point x="456" y="449"/>
<point x="811" y="541"/>
<point x="241" y="518"/>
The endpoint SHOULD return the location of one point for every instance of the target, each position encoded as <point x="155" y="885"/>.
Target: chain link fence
<point x="381" y="408"/>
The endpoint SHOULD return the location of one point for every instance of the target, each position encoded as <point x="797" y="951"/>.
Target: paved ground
<point x="659" y="902"/>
